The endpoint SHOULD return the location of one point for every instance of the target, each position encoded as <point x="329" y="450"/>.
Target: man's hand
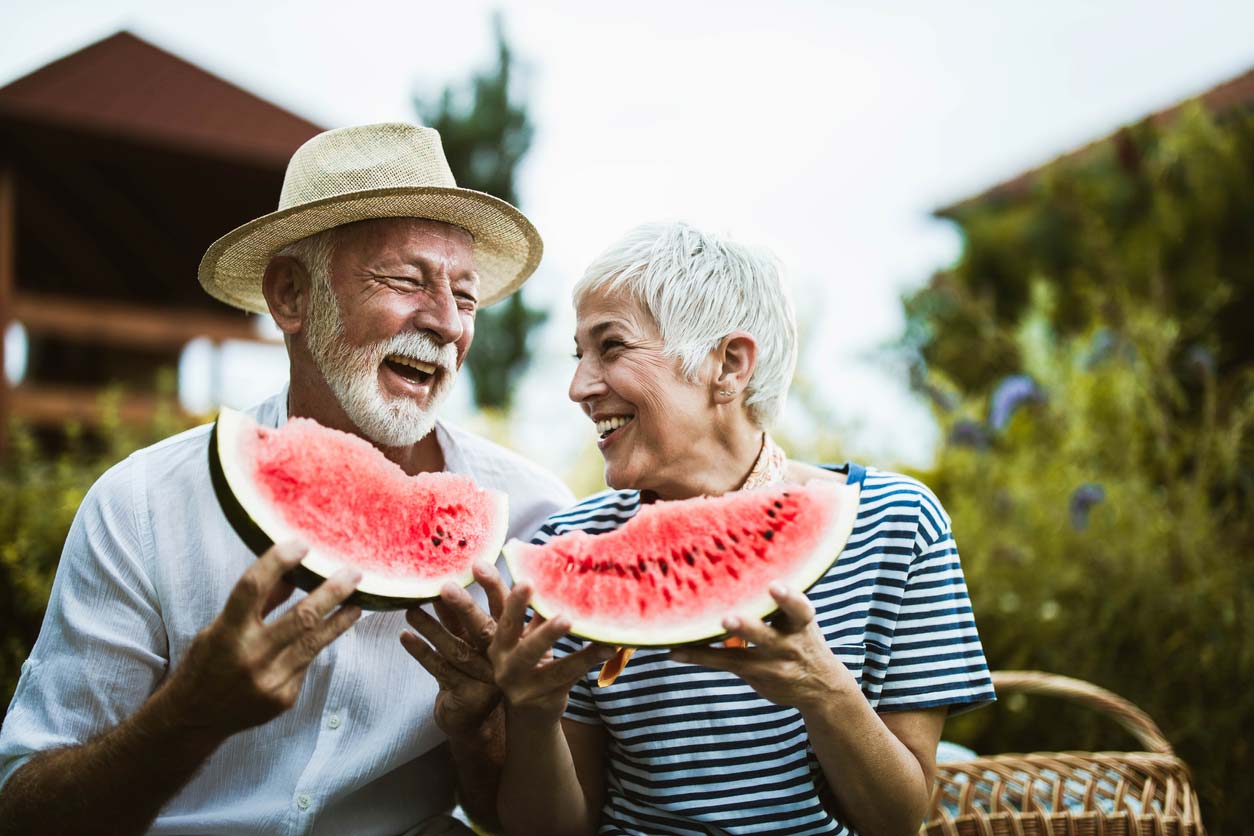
<point x="241" y="672"/>
<point x="457" y="653"/>
<point x="788" y="662"/>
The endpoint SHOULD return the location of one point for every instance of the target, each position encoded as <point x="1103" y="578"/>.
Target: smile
<point x="409" y="368"/>
<point x="606" y="426"/>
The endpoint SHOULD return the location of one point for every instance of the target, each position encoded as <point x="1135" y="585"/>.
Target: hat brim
<point x="507" y="247"/>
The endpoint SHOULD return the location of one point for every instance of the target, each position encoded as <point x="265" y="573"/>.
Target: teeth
<point x="425" y="368"/>
<point x="607" y="424"/>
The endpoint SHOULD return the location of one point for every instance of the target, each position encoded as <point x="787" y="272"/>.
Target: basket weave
<point x="1068" y="793"/>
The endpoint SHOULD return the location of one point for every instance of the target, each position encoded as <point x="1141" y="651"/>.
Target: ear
<point x="735" y="357"/>
<point x="285" y="285"/>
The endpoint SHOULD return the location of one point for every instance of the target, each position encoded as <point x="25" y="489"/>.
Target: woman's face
<point x="648" y="417"/>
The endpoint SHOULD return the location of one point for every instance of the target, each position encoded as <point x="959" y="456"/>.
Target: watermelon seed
<point x="770" y="512"/>
<point x="435" y="541"/>
<point x="439" y="530"/>
<point x="779" y="504"/>
<point x="665" y="567"/>
<point x="461" y="544"/>
<point x="718" y="544"/>
<point x="768" y="534"/>
<point x="688" y="558"/>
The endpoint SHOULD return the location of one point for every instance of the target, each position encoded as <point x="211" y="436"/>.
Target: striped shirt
<point x="696" y="751"/>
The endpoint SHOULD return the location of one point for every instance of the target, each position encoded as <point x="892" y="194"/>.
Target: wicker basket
<point x="1068" y="793"/>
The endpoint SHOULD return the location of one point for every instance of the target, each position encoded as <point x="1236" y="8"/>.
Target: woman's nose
<point x="586" y="382"/>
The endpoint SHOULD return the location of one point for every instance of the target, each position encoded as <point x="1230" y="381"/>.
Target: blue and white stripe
<point x="696" y="751"/>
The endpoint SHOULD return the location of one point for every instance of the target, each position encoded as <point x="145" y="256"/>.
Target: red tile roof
<point x="127" y="88"/>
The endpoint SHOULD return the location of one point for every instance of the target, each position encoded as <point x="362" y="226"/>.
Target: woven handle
<point x="1084" y="693"/>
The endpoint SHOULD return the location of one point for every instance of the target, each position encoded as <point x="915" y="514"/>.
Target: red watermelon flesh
<point x="675" y="570"/>
<point x="338" y="493"/>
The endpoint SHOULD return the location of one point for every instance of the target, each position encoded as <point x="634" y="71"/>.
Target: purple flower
<point x="1083" y="499"/>
<point x="1011" y="393"/>
<point x="968" y="433"/>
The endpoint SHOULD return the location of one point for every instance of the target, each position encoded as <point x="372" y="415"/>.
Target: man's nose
<point x="438" y="314"/>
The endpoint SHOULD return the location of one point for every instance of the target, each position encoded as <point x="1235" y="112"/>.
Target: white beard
<point x="352" y="373"/>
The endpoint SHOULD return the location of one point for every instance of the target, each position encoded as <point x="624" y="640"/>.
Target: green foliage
<point x="486" y="133"/>
<point x="39" y="493"/>
<point x="1107" y="526"/>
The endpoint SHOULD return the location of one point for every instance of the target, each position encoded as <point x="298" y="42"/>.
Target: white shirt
<point x="150" y="561"/>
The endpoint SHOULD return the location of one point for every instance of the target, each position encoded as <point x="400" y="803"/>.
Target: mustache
<point x="421" y="346"/>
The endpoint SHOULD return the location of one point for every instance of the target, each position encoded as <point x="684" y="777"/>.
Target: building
<point x="119" y="165"/>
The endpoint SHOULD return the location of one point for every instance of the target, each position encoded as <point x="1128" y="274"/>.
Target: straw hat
<point x="372" y="171"/>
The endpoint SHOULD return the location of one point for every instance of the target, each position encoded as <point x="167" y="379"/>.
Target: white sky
<point x="825" y="130"/>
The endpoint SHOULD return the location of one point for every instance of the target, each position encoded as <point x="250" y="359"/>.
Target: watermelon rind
<point x="260" y="525"/>
<point x="844" y="500"/>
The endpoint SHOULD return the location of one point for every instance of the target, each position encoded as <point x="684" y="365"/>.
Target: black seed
<point x="461" y="543"/>
<point x="435" y="541"/>
<point x="770" y="512"/>
<point x="768" y="534"/>
<point x="779" y="504"/>
<point x="688" y="558"/>
<point x="665" y="567"/>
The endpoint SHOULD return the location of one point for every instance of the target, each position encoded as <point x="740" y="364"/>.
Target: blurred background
<point x="1021" y="242"/>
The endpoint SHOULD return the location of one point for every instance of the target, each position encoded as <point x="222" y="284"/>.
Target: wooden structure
<point x="119" y="165"/>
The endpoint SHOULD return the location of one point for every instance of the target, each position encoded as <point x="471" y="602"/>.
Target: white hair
<point x="700" y="287"/>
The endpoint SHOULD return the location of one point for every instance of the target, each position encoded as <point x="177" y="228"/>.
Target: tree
<point x="486" y="134"/>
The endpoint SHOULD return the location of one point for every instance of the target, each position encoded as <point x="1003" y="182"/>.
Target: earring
<point x="727" y="393"/>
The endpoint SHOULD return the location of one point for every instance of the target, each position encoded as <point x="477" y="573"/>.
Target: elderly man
<point x="178" y="684"/>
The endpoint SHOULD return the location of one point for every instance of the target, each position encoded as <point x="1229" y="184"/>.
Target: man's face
<point x="392" y="323"/>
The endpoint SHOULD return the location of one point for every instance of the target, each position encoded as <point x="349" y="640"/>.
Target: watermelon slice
<point x="409" y="535"/>
<point x="673" y="572"/>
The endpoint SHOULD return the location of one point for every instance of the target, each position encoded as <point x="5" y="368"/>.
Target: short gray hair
<point x="314" y="253"/>
<point x="699" y="287"/>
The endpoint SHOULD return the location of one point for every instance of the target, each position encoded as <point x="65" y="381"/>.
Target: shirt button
<point x="303" y="801"/>
<point x="333" y="722"/>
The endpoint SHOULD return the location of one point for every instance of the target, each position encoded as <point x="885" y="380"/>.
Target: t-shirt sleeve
<point x="102" y="648"/>
<point x="936" y="658"/>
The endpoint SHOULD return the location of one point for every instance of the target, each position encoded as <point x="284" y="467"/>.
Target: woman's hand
<point x="457" y="652"/>
<point x="534" y="684"/>
<point x="788" y="662"/>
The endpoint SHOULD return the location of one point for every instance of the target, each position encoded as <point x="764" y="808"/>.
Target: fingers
<point x="509" y="627"/>
<point x="307" y="617"/>
<point x="493" y="585"/>
<point x="795" y="607"/>
<point x="252" y="592"/>
<point x="300" y="653"/>
<point x="752" y="630"/>
<point x="428" y="658"/>
<point x="532" y="648"/>
<point x="281" y="592"/>
<point x="447" y="646"/>
<point x="473" y="624"/>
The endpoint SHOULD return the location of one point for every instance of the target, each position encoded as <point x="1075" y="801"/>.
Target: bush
<point x="39" y="493"/>
<point x="1090" y="360"/>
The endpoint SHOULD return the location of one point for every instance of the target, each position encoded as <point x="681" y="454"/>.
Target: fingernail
<point x="483" y="567"/>
<point x="779" y="589"/>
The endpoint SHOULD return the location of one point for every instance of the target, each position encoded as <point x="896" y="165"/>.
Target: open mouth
<point x="410" y="369"/>
<point x="606" y="427"/>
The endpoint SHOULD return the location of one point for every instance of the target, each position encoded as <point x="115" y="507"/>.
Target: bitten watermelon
<point x="673" y="572"/>
<point x="409" y="535"/>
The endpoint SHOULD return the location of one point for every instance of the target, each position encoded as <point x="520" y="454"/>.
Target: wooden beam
<point x="112" y="323"/>
<point x="46" y="405"/>
<point x="8" y="269"/>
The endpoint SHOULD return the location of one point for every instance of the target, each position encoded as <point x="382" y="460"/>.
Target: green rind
<point x="764" y="614"/>
<point x="259" y="542"/>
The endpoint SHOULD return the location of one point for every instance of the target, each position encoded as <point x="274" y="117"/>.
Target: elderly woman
<point x="829" y="719"/>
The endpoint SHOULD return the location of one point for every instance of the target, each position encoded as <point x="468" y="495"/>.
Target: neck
<point x="309" y="396"/>
<point x="716" y="464"/>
